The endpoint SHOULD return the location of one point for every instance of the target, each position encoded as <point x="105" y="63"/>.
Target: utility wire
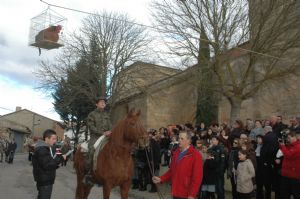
<point x="5" y="108"/>
<point x="151" y="27"/>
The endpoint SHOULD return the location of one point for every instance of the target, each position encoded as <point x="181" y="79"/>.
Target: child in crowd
<point x="245" y="173"/>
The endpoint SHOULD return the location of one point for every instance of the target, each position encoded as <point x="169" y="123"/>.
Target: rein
<point x="152" y="170"/>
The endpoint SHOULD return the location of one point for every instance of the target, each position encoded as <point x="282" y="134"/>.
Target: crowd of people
<point x="257" y="158"/>
<point x="7" y="150"/>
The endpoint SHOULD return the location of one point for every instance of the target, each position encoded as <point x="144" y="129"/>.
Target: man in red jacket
<point x="185" y="171"/>
<point x="290" y="182"/>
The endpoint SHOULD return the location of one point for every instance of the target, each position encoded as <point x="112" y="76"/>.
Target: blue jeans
<point x="44" y="192"/>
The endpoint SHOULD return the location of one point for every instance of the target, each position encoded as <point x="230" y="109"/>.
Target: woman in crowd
<point x="208" y="187"/>
<point x="233" y="161"/>
<point x="238" y="129"/>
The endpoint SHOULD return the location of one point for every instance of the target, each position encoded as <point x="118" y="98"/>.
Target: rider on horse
<point x="99" y="124"/>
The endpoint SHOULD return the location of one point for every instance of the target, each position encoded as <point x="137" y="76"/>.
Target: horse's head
<point x="134" y="130"/>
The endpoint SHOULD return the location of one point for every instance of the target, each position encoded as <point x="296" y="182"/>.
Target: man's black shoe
<point x="153" y="189"/>
<point x="142" y="188"/>
<point x="135" y="186"/>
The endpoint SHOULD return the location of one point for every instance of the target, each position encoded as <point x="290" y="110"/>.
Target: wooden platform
<point x="46" y="44"/>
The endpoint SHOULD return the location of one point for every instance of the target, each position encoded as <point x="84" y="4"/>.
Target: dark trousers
<point x="259" y="183"/>
<point x="178" y="198"/>
<point x="220" y="186"/>
<point x="29" y="156"/>
<point x="233" y="188"/>
<point x="44" y="192"/>
<point x="244" y="195"/>
<point x="1" y="156"/>
<point x="207" y="195"/>
<point x="289" y="187"/>
<point x="268" y="177"/>
<point x="11" y="157"/>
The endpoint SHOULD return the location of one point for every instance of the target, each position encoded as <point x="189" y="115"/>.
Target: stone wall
<point x="169" y="101"/>
<point x="121" y="109"/>
<point x="281" y="98"/>
<point x="172" y="102"/>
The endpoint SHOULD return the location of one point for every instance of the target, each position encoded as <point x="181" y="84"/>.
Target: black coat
<point x="154" y="153"/>
<point x="278" y="127"/>
<point x="12" y="147"/>
<point x="44" y="165"/>
<point x="209" y="172"/>
<point x="220" y="158"/>
<point x="269" y="149"/>
<point x="164" y="143"/>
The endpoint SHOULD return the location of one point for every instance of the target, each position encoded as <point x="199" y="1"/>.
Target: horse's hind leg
<point x="82" y="191"/>
<point x="87" y="190"/>
<point x="125" y="189"/>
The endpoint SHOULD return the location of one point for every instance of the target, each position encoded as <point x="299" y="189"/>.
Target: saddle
<point x="98" y="146"/>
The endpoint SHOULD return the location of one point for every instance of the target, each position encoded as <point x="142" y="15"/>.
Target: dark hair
<point x="189" y="125"/>
<point x="240" y="123"/>
<point x="244" y="152"/>
<point x="175" y="131"/>
<point x="226" y="130"/>
<point x="101" y="98"/>
<point x="292" y="133"/>
<point x="260" y="136"/>
<point x="179" y="127"/>
<point x="259" y="121"/>
<point x="48" y="133"/>
<point x="216" y="137"/>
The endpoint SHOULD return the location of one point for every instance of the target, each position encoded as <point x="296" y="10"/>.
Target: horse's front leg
<point x="106" y="191"/>
<point x="125" y="189"/>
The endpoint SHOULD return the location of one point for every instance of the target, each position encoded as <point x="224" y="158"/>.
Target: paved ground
<point x="16" y="181"/>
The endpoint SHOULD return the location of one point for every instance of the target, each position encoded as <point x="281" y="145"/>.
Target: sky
<point x="18" y="60"/>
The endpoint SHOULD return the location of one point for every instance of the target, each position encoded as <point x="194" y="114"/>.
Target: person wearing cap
<point x="186" y="170"/>
<point x="99" y="124"/>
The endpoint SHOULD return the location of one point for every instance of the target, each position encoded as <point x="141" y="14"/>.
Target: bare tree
<point x="252" y="43"/>
<point x="107" y="41"/>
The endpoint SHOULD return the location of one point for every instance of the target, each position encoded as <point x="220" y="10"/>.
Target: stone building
<point x="172" y="98"/>
<point x="165" y="95"/>
<point x="23" y="123"/>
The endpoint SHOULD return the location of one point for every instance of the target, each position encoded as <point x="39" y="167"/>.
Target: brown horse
<point x="114" y="163"/>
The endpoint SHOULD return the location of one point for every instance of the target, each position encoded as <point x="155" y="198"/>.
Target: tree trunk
<point x="236" y="105"/>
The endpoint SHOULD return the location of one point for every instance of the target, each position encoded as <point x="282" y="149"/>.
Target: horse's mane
<point x="118" y="132"/>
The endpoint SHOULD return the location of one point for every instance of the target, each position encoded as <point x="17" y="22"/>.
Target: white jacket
<point x="245" y="173"/>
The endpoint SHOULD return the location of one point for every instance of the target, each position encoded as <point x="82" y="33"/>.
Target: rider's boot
<point x="88" y="178"/>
